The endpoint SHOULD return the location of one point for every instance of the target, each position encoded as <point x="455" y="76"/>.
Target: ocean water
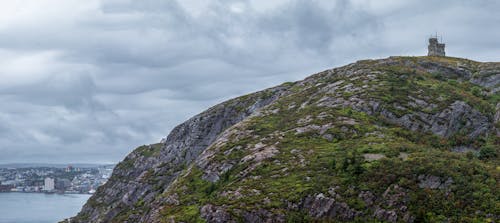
<point x="39" y="207"/>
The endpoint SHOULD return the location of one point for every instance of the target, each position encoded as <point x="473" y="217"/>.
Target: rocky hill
<point x="402" y="139"/>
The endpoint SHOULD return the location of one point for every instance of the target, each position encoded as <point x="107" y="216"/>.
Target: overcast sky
<point x="88" y="81"/>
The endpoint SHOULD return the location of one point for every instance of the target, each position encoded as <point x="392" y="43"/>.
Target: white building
<point x="49" y="184"/>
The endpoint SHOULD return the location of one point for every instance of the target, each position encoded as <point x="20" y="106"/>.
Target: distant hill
<point x="27" y="165"/>
<point x="402" y="139"/>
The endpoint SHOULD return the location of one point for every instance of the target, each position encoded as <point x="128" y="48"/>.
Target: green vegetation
<point x="335" y="134"/>
<point x="149" y="150"/>
<point x="309" y="163"/>
<point x="488" y="152"/>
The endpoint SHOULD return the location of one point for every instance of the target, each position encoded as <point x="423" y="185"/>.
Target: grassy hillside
<point x="301" y="146"/>
<point x="402" y="139"/>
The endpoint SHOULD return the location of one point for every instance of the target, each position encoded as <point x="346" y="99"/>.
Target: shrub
<point x="487" y="152"/>
<point x="210" y="189"/>
<point x="469" y="155"/>
<point x="476" y="91"/>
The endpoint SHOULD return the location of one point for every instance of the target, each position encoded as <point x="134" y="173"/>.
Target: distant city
<point x="54" y="179"/>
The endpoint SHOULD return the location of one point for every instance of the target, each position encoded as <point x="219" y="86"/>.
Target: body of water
<point x="39" y="207"/>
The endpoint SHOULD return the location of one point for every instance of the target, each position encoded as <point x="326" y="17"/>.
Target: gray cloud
<point x="87" y="81"/>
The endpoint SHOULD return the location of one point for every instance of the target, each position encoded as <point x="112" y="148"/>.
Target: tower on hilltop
<point x="435" y="48"/>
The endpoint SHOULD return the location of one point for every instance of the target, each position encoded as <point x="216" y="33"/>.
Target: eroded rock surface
<point x="289" y="130"/>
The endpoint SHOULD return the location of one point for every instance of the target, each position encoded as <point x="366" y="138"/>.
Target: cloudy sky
<point x="88" y="81"/>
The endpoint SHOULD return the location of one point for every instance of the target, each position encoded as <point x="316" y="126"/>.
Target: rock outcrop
<point x="373" y="140"/>
<point x="140" y="178"/>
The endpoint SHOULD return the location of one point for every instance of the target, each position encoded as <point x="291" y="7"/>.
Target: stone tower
<point x="435" y="48"/>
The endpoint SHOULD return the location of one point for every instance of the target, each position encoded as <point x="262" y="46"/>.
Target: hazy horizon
<point x="89" y="81"/>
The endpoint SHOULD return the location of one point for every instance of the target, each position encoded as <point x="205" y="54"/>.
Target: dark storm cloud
<point x="86" y="81"/>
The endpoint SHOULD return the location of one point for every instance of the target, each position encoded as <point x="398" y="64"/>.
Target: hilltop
<point x="402" y="139"/>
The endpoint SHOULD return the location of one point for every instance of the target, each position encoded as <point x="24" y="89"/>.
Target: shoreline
<point x="32" y="192"/>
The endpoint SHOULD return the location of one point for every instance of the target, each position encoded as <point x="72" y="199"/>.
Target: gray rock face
<point x="463" y="149"/>
<point x="367" y="197"/>
<point x="488" y="75"/>
<point x="386" y="215"/>
<point x="215" y="214"/>
<point x="394" y="200"/>
<point x="262" y="216"/>
<point x="434" y="182"/>
<point x="322" y="207"/>
<point x="318" y="206"/>
<point x="448" y="72"/>
<point x="497" y="113"/>
<point x="460" y="115"/>
<point x="128" y="184"/>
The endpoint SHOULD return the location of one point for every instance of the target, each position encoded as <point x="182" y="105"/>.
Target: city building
<point x="62" y="184"/>
<point x="49" y="184"/>
<point x="53" y="179"/>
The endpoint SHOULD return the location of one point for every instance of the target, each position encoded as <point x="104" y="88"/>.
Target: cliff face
<point x="148" y="171"/>
<point x="399" y="139"/>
